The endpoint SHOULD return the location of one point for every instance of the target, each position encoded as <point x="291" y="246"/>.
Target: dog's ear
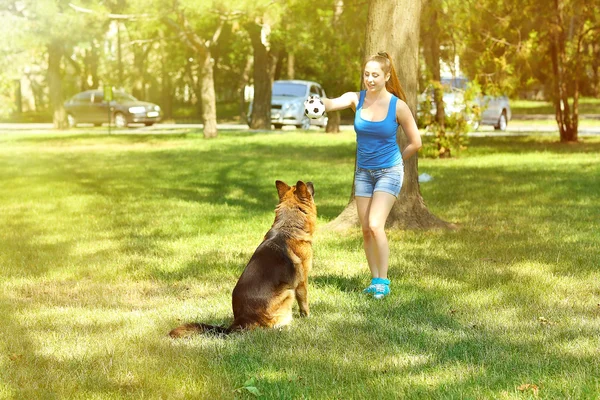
<point x="304" y="191"/>
<point x="311" y="188"/>
<point x="282" y="188"/>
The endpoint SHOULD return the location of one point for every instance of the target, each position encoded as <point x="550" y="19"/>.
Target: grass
<point x="106" y="243"/>
<point x="587" y="105"/>
<point x="550" y="122"/>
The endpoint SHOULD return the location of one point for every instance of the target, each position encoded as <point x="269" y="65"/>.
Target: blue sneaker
<point x="372" y="287"/>
<point x="382" y="289"/>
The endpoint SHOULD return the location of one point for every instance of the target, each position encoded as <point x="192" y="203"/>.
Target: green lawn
<point x="106" y="243"/>
<point x="587" y="105"/>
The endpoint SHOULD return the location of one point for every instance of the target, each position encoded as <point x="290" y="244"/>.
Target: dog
<point x="277" y="272"/>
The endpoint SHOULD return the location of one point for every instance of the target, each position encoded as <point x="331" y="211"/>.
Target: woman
<point x="380" y="109"/>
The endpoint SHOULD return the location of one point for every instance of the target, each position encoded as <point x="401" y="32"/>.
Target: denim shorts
<point x="368" y="181"/>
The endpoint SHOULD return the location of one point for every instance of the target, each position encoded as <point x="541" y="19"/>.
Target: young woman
<point x="380" y="109"/>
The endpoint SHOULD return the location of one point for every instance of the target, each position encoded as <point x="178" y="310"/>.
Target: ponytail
<point x="393" y="84"/>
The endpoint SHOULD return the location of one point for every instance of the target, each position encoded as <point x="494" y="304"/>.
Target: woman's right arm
<point x="348" y="99"/>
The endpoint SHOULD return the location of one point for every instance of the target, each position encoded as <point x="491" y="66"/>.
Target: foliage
<point x="452" y="138"/>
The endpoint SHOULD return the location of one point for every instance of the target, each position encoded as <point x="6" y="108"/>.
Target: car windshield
<point x="455" y="83"/>
<point x="120" y="97"/>
<point x="289" y="89"/>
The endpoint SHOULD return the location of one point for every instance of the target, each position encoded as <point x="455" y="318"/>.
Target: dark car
<point x="90" y="107"/>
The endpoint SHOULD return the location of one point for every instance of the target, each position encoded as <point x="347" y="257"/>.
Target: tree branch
<point x="110" y="15"/>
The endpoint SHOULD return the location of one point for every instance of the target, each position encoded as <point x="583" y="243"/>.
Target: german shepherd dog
<point x="277" y="272"/>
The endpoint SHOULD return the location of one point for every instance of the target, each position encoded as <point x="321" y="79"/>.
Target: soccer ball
<point x="314" y="108"/>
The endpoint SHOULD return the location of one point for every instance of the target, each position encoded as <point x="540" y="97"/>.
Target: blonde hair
<point x="393" y="84"/>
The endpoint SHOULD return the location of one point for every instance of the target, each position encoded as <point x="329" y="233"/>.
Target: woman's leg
<point x="380" y="206"/>
<point x="363" y="204"/>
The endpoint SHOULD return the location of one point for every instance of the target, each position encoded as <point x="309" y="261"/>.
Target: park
<point x="111" y="238"/>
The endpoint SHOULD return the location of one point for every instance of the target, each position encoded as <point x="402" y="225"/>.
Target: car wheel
<point x="305" y="123"/>
<point x="502" y="122"/>
<point x="120" y="120"/>
<point x="72" y="121"/>
<point x="148" y="123"/>
<point x="278" y="126"/>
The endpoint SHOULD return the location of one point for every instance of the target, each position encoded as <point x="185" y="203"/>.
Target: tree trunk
<point x="245" y="77"/>
<point x="208" y="97"/>
<point x="432" y="53"/>
<point x="55" y="53"/>
<point x="393" y="26"/>
<point x="333" y="122"/>
<point x="167" y="90"/>
<point x="140" y="55"/>
<point x="595" y="51"/>
<point x="291" y="67"/>
<point x="566" y="126"/>
<point x="261" y="105"/>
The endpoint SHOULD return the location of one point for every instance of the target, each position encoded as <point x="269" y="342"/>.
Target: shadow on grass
<point x="411" y="345"/>
<point x="213" y="264"/>
<point x="529" y="144"/>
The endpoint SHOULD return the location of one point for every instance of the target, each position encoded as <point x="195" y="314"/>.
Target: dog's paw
<point x="304" y="313"/>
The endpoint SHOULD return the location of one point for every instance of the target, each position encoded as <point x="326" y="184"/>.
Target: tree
<point x="431" y="32"/>
<point x="324" y="42"/>
<point x="393" y="26"/>
<point x="514" y="43"/>
<point x="201" y="45"/>
<point x="570" y="25"/>
<point x="259" y="22"/>
<point x="261" y="105"/>
<point x="55" y="26"/>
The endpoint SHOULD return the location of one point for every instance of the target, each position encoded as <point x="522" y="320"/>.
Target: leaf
<point x="254" y="390"/>
<point x="250" y="386"/>
<point x="543" y="321"/>
<point x="529" y="386"/>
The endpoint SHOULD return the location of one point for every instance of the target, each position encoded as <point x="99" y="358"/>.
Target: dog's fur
<point x="277" y="271"/>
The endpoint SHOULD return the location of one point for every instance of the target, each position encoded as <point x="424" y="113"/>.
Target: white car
<point x="495" y="110"/>
<point x="287" y="104"/>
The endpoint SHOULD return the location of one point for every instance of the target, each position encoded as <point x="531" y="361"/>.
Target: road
<point x="514" y="129"/>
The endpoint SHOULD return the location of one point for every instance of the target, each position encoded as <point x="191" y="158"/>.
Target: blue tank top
<point x="376" y="141"/>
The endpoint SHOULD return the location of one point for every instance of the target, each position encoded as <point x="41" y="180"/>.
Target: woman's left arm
<point x="407" y="121"/>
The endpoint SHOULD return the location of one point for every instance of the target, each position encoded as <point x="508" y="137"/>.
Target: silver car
<point x="494" y="110"/>
<point x="287" y="103"/>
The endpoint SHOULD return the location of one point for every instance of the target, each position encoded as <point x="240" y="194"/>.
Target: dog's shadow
<point x="341" y="283"/>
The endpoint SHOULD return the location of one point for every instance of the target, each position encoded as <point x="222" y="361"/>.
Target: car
<point x="493" y="110"/>
<point x="90" y="107"/>
<point x="287" y="103"/>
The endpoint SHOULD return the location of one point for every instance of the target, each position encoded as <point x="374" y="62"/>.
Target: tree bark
<point x="432" y="54"/>
<point x="566" y="125"/>
<point x="244" y="79"/>
<point x="166" y="89"/>
<point x="55" y="54"/>
<point x="261" y="105"/>
<point x="333" y="122"/>
<point x="291" y="67"/>
<point x="140" y="55"/>
<point x="393" y="26"/>
<point x="209" y="98"/>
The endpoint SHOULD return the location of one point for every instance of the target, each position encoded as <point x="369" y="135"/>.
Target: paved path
<point x="514" y="128"/>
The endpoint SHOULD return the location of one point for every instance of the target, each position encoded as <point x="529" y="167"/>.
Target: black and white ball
<point x="314" y="108"/>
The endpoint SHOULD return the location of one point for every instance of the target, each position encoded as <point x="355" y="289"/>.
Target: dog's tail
<point x="196" y="328"/>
